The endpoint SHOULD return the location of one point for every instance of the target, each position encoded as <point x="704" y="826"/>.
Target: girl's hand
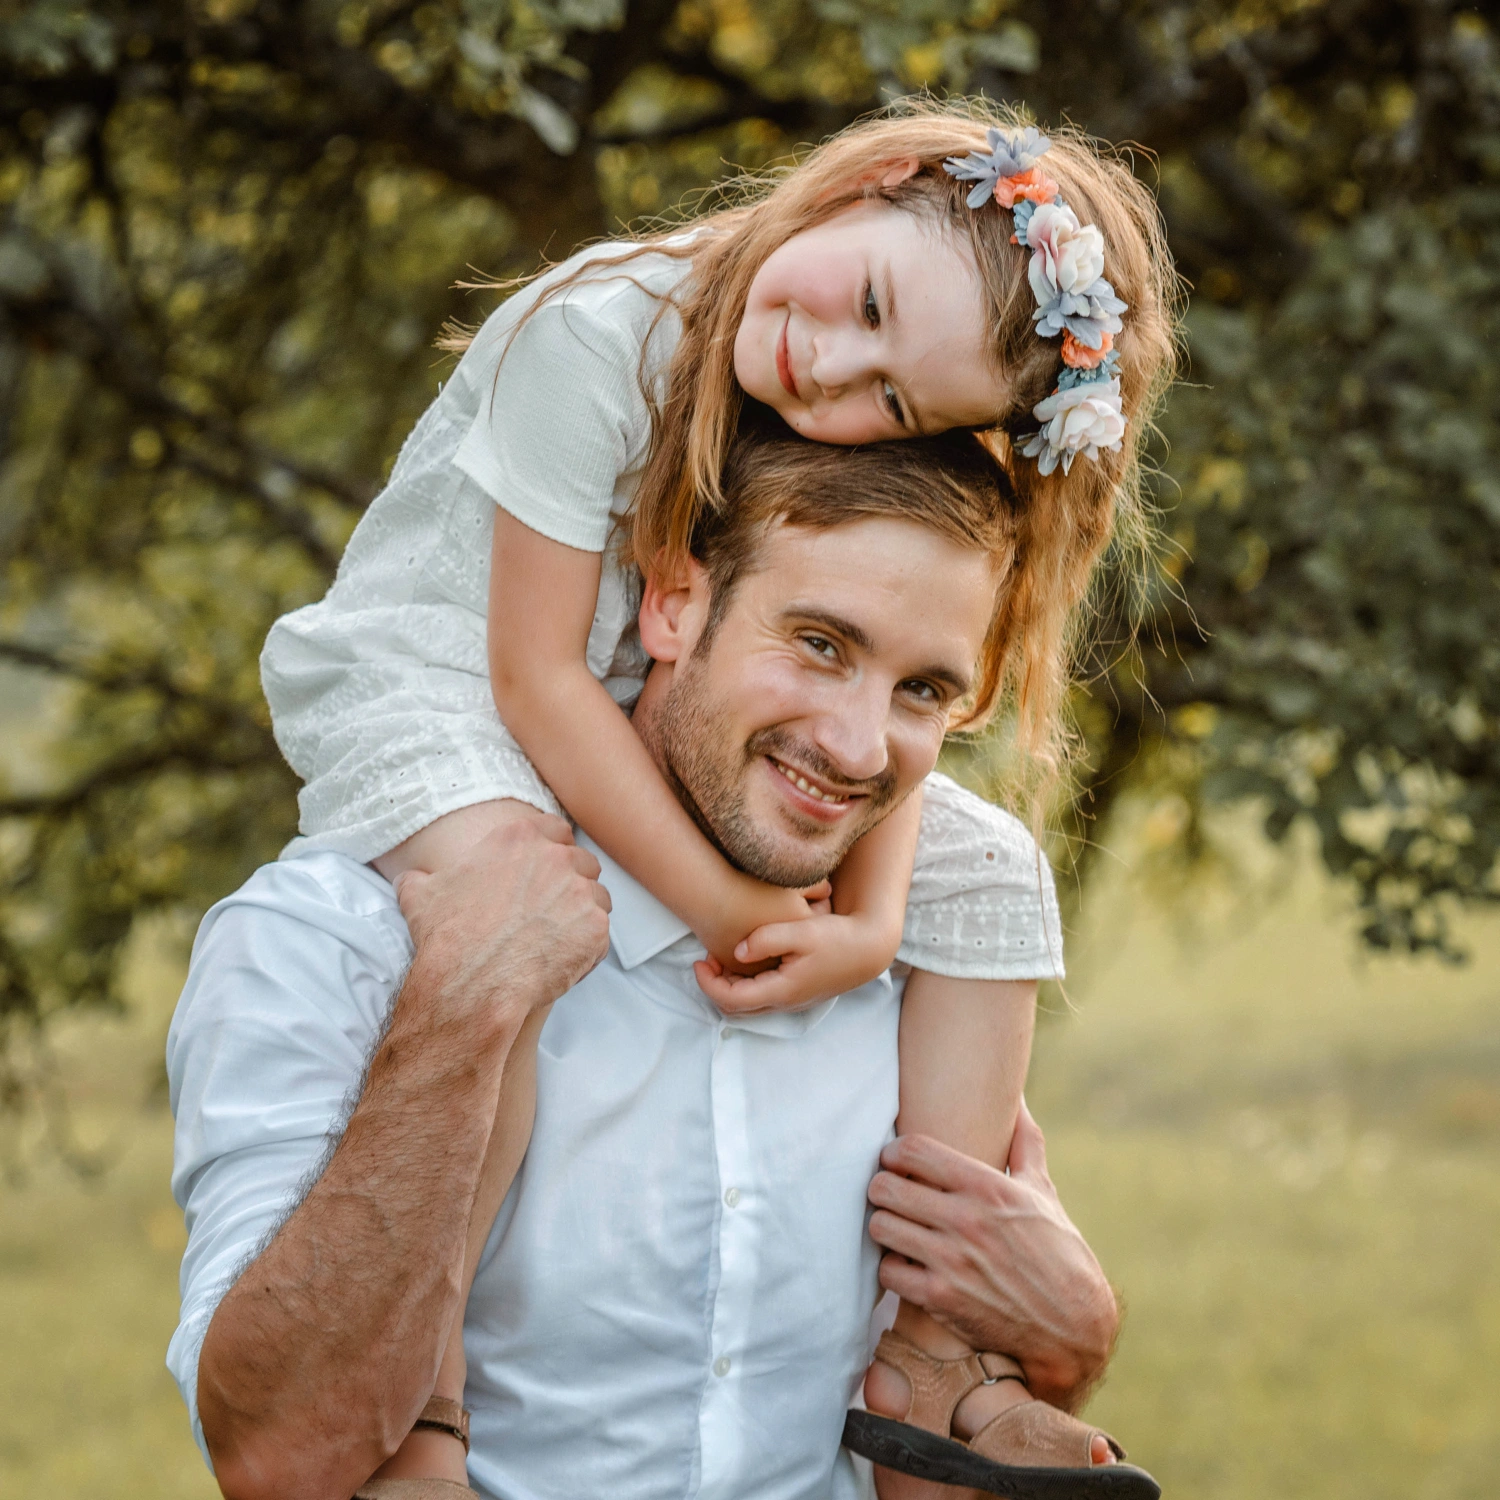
<point x="819" y="957"/>
<point x="740" y="905"/>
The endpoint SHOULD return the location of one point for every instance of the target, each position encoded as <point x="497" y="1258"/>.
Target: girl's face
<point x="869" y="326"/>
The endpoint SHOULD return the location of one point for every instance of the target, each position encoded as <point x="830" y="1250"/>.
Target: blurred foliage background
<point x="230" y="230"/>
<point x="229" y="233"/>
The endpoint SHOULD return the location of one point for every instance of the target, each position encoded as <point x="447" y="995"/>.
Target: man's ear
<point x="673" y="610"/>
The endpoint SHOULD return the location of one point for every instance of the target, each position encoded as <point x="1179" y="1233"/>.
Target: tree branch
<point x="195" y="757"/>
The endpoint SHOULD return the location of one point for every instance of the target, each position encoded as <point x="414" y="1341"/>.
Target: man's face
<point x="822" y="697"/>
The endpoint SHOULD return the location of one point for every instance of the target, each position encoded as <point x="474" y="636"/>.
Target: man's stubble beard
<point x="691" y="737"/>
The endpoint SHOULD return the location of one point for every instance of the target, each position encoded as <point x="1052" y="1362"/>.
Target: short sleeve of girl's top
<point x="983" y="904"/>
<point x="561" y="424"/>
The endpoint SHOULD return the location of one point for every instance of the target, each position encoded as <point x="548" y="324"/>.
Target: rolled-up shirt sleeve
<point x="289" y="986"/>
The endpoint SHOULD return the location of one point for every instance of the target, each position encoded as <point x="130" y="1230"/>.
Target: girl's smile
<point x="867" y="327"/>
<point x="784" y="364"/>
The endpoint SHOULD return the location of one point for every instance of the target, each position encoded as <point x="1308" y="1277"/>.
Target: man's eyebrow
<point x="834" y="624"/>
<point x="960" y="682"/>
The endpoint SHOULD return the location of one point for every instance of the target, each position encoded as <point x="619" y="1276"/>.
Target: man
<point x="677" y="1293"/>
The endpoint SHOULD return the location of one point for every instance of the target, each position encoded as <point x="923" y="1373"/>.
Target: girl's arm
<point x="965" y="1049"/>
<point x="541" y="608"/>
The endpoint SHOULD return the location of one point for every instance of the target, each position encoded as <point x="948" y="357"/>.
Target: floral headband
<point x="1084" y="413"/>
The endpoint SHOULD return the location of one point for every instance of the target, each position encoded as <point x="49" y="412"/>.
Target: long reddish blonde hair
<point x="1064" y="522"/>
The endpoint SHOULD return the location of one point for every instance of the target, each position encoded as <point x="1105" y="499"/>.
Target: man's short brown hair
<point x="950" y="483"/>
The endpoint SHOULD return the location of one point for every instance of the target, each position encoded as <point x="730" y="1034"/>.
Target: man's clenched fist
<point x="512" y="924"/>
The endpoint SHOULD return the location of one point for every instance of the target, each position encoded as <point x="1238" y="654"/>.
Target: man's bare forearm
<point x="322" y="1354"/>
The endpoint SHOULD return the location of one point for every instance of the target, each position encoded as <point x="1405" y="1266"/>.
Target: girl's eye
<point x="893" y="403"/>
<point x="924" y="692"/>
<point x="872" y="307"/>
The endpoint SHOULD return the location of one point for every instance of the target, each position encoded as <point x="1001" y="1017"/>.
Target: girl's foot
<point x="888" y="1392"/>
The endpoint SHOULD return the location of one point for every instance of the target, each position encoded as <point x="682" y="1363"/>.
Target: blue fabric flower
<point x="1088" y="318"/>
<point x="1011" y="153"/>
<point x="1106" y="370"/>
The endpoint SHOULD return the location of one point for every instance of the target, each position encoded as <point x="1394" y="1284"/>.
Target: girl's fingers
<point x="822" y="891"/>
<point x="738" y="994"/>
<point x="773" y="940"/>
<point x="768" y="991"/>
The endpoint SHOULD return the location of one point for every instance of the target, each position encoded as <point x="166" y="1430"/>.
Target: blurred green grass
<point x="1285" y="1155"/>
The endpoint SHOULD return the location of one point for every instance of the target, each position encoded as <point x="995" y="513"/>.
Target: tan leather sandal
<point x="1031" y="1451"/>
<point x="439" y="1415"/>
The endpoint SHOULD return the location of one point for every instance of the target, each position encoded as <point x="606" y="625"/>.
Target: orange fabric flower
<point x="1081" y="357"/>
<point x="1028" y="184"/>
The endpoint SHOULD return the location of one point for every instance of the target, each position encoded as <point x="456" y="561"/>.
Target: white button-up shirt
<point x="676" y="1297"/>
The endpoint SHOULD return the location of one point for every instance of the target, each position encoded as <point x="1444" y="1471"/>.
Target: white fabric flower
<point x="1067" y="257"/>
<point x="1083" y="419"/>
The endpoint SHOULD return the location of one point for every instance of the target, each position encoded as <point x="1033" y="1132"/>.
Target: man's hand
<point x="994" y="1257"/>
<point x="520" y="915"/>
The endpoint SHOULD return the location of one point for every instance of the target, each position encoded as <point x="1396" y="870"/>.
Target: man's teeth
<point x="804" y="785"/>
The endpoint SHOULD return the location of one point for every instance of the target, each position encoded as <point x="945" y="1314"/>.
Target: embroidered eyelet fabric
<point x="380" y="694"/>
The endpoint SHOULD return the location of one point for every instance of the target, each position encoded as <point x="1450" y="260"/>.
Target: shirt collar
<point x="640" y="927"/>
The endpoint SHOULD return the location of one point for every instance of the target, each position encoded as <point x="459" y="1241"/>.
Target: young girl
<point x="914" y="274"/>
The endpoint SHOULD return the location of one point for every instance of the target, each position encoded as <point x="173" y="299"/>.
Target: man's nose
<point x="853" y="734"/>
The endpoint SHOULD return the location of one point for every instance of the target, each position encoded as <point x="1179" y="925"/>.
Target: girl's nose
<point x="842" y="361"/>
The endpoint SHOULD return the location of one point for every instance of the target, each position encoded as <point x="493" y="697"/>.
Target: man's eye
<point x="872" y="307"/>
<point x="925" y="692"/>
<point x="822" y="645"/>
<point x="893" y="403"/>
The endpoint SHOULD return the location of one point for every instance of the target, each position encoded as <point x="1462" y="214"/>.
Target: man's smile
<point x="807" y="784"/>
<point x="813" y="798"/>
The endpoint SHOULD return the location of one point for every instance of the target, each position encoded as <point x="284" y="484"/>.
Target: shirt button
<point x="732" y="1197"/>
<point x="721" y="1365"/>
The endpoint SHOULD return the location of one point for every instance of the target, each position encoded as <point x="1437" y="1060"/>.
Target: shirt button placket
<point x="720" y="1429"/>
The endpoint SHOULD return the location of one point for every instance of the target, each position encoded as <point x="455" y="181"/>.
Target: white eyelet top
<point x="380" y="694"/>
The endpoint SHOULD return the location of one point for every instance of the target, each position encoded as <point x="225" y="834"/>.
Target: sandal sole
<point x="926" y="1455"/>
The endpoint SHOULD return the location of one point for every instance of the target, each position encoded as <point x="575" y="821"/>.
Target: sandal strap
<point x="413" y="1489"/>
<point x="443" y="1415"/>
<point x="1032" y="1432"/>
<point x="1000" y="1367"/>
<point x="938" y="1385"/>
